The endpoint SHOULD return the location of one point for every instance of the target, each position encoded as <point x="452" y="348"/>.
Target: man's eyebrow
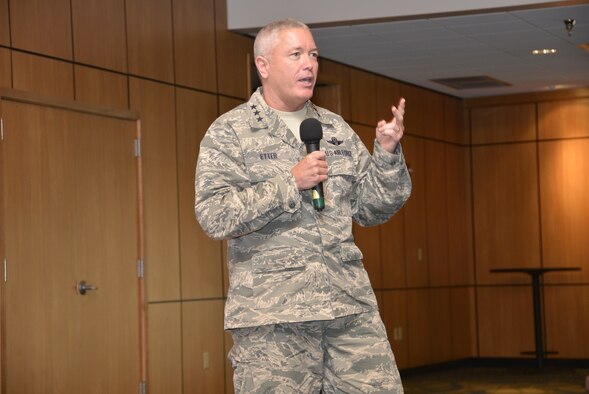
<point x="300" y="49"/>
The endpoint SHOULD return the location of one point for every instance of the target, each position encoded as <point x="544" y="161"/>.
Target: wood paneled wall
<point x="5" y="68"/>
<point x="176" y="64"/>
<point x="93" y="43"/>
<point x="4" y="24"/>
<point x="530" y="163"/>
<point x="103" y="88"/>
<point x="506" y="215"/>
<point x="564" y="169"/>
<point x="158" y="58"/>
<point x="50" y="77"/>
<point x="195" y="111"/>
<point x="42" y="27"/>
<point x="422" y="259"/>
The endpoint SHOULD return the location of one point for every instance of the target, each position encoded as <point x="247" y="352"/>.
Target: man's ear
<point x="262" y="66"/>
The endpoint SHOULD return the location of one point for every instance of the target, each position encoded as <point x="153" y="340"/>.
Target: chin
<point x="307" y="94"/>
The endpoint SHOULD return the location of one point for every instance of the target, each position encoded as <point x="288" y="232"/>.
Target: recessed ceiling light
<point x="545" y="51"/>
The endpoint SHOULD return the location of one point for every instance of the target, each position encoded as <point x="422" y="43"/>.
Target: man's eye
<point x="295" y="55"/>
<point x="314" y="55"/>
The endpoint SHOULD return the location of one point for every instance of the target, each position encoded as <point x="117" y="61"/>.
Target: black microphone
<point x="311" y="134"/>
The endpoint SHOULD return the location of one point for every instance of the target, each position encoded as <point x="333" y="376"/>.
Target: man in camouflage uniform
<point x="300" y="306"/>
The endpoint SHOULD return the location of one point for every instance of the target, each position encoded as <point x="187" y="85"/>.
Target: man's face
<point x="289" y="72"/>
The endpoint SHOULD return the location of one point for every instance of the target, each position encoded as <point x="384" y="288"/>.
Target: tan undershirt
<point x="293" y="120"/>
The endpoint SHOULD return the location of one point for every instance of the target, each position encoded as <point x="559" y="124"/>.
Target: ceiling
<point x="495" y="44"/>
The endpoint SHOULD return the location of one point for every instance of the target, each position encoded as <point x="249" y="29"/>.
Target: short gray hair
<point x="268" y="35"/>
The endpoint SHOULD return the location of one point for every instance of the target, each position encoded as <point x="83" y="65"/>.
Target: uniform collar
<point x="261" y="116"/>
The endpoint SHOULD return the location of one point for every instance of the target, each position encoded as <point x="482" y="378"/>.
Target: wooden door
<point x="70" y="209"/>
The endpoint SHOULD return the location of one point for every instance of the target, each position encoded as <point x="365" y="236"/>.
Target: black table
<point x="536" y="274"/>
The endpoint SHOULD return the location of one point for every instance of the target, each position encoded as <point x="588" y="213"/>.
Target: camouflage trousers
<point x="347" y="355"/>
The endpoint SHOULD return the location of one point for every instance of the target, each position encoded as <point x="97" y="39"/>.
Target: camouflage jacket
<point x="288" y="262"/>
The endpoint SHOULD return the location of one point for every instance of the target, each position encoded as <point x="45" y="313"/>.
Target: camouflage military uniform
<point x="349" y="354"/>
<point x="287" y="262"/>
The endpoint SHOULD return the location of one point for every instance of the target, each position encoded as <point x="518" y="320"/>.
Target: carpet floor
<point x="490" y="380"/>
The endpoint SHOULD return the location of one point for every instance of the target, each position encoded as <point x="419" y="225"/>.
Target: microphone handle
<point x="318" y="198"/>
<point x="312" y="146"/>
<point x="317" y="190"/>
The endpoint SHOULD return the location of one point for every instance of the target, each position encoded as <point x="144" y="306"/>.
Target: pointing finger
<point x="400" y="110"/>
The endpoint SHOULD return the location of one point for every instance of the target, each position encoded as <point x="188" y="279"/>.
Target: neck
<point x="276" y="103"/>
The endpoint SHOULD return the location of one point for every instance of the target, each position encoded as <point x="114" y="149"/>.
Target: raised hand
<point x="389" y="134"/>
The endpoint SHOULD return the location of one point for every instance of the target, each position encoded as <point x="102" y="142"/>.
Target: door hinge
<point x="1" y="129"/>
<point x="140" y="268"/>
<point x="137" y="143"/>
<point x="142" y="387"/>
<point x="5" y="270"/>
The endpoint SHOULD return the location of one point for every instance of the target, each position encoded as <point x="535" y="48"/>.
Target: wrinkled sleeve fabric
<point x="227" y="203"/>
<point x="383" y="184"/>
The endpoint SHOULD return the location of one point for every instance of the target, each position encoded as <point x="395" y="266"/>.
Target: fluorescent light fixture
<point x="545" y="51"/>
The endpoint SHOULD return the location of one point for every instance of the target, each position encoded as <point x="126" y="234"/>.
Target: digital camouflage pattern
<point x="346" y="355"/>
<point x="286" y="261"/>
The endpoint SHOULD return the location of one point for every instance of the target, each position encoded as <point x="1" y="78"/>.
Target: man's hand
<point x="389" y="134"/>
<point x="310" y="171"/>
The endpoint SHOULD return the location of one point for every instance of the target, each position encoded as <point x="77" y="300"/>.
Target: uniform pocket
<point x="349" y="252"/>
<point x="340" y="180"/>
<point x="340" y="166"/>
<point x="266" y="157"/>
<point x="357" y="280"/>
<point x="279" y="279"/>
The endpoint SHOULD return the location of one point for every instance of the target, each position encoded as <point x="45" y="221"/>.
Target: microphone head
<point x="311" y="130"/>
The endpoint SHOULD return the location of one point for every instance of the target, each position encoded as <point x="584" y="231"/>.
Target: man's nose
<point x="307" y="62"/>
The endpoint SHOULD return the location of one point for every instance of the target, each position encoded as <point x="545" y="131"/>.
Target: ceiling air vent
<point x="474" y="82"/>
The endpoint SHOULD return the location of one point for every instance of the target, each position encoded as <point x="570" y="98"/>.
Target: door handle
<point x="82" y="287"/>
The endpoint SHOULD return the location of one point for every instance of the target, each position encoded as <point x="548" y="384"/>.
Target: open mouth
<point x="307" y="80"/>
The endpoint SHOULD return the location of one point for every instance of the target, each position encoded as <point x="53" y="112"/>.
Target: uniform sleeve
<point x="227" y="204"/>
<point x="383" y="184"/>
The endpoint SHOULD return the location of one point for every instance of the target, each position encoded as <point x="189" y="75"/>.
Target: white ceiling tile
<point x="497" y="44"/>
<point x="554" y="17"/>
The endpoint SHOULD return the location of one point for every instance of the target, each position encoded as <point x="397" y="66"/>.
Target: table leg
<point x="538" y="332"/>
